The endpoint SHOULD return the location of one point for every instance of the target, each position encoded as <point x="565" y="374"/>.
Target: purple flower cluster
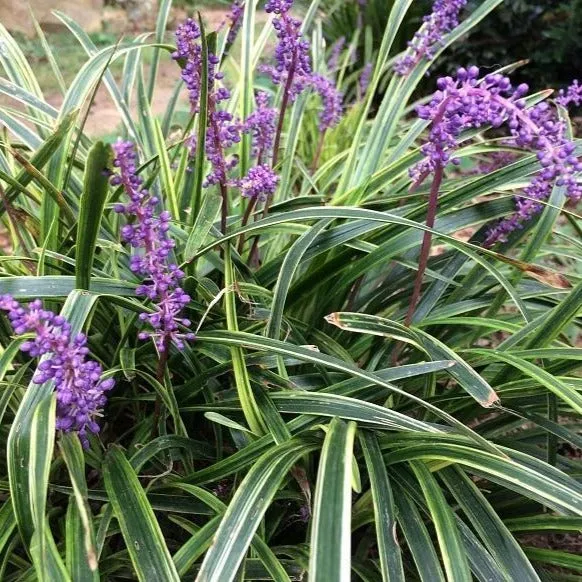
<point x="365" y="78"/>
<point x="262" y="124"/>
<point x="188" y="48"/>
<point x="293" y="66"/>
<point x="443" y="18"/>
<point x="260" y="183"/>
<point x="78" y="381"/>
<point x="223" y="131"/>
<point x="235" y="16"/>
<point x="221" y="134"/>
<point x="573" y="94"/>
<point x="148" y="234"/>
<point x="493" y="161"/>
<point x="466" y="102"/>
<point x="336" y="51"/>
<point x="331" y="99"/>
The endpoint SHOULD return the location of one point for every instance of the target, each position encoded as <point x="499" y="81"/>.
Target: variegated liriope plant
<point x="304" y="324"/>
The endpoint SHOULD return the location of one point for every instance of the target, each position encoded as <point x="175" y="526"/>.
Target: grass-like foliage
<point x="288" y="330"/>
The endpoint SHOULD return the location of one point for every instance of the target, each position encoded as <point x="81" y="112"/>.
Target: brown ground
<point x="104" y="118"/>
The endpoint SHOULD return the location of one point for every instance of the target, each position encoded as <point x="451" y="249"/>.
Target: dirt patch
<point x="104" y="118"/>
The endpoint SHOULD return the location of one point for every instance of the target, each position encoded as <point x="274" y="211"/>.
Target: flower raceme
<point x="466" y="102"/>
<point x="235" y="17"/>
<point x="443" y="18"/>
<point x="189" y="49"/>
<point x="331" y="100"/>
<point x="260" y="183"/>
<point x="336" y="50"/>
<point x="293" y="66"/>
<point x="293" y="69"/>
<point x="223" y="131"/>
<point x="148" y="235"/>
<point x="365" y="78"/>
<point x="573" y="94"/>
<point x="79" y="383"/>
<point x="262" y="124"/>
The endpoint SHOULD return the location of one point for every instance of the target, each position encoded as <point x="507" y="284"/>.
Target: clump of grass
<point x="321" y="368"/>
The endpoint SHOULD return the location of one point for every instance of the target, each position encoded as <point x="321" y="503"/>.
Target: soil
<point x="104" y="117"/>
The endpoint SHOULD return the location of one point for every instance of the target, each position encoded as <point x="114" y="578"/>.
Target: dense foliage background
<point x="545" y="32"/>
<point x="312" y="429"/>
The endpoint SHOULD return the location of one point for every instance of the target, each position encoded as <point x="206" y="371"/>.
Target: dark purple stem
<point x="160" y="373"/>
<point x="426" y="243"/>
<point x="284" y="103"/>
<point x="245" y="220"/>
<point x="318" y="152"/>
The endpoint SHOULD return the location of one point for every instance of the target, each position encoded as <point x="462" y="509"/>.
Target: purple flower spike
<point x="443" y="18"/>
<point x="466" y="102"/>
<point x="365" y="78"/>
<point x="336" y="51"/>
<point x="260" y="183"/>
<point x="235" y="17"/>
<point x="221" y="134"/>
<point x="78" y="381"/>
<point x="261" y="124"/>
<point x="331" y="99"/>
<point x="188" y="48"/>
<point x="293" y="66"/>
<point x="573" y="94"/>
<point x="148" y="234"/>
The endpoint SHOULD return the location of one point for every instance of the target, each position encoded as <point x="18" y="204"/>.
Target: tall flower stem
<point x="426" y="243"/>
<point x="423" y="257"/>
<point x="284" y="105"/>
<point x="160" y="374"/>
<point x="245" y="220"/>
<point x="14" y="220"/>
<point x="318" y="152"/>
<point x="253" y="256"/>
